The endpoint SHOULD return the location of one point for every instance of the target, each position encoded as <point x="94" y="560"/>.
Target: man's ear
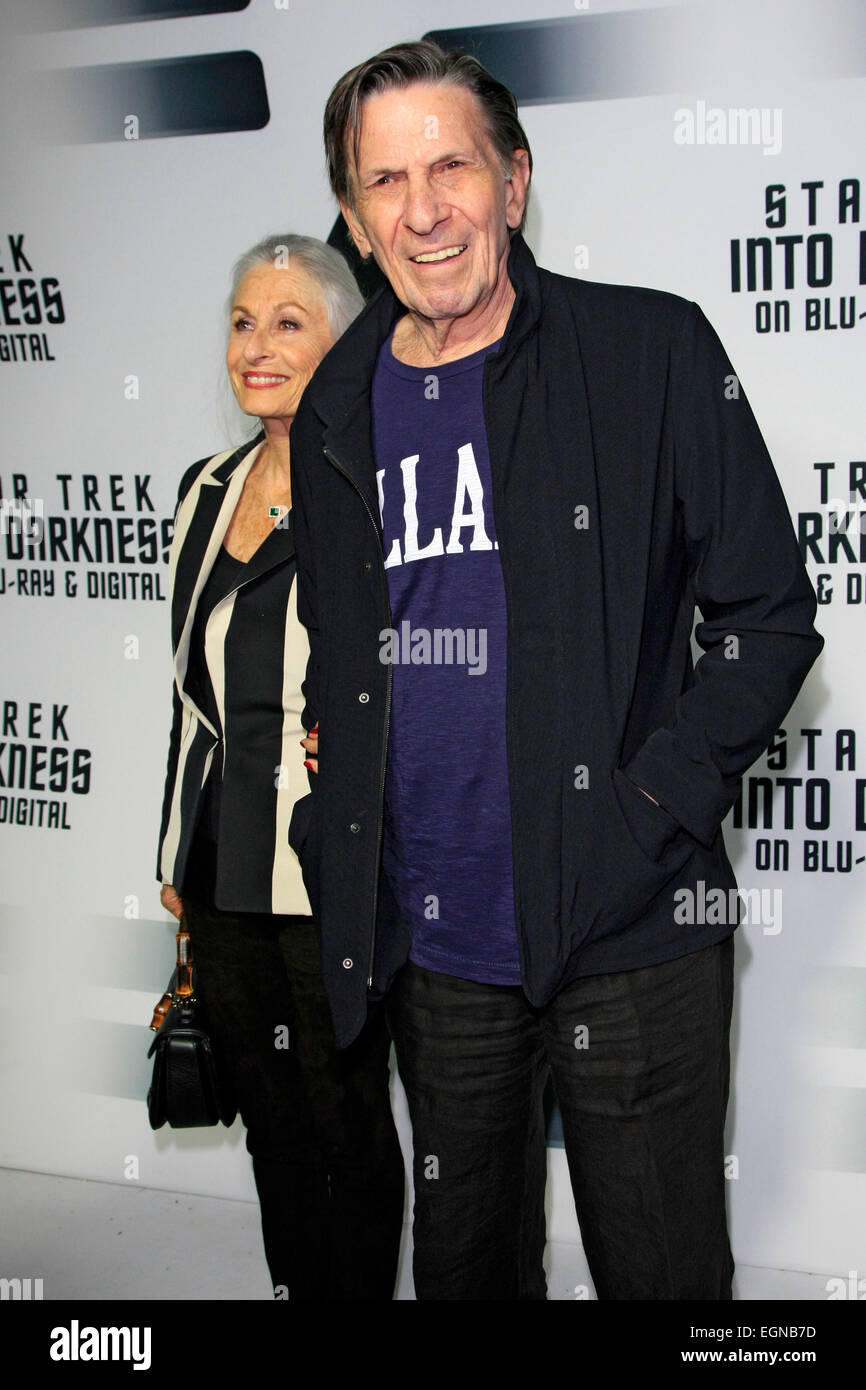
<point x="364" y="248"/>
<point x="517" y="188"/>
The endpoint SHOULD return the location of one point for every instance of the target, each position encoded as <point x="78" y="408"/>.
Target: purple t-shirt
<point x="447" y="825"/>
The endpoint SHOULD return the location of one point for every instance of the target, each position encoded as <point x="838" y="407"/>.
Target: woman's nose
<point x="257" y="345"/>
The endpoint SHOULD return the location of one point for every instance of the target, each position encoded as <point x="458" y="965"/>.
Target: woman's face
<point x="278" y="335"/>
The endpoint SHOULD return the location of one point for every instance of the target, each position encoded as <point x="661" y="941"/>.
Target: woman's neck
<point x="273" y="461"/>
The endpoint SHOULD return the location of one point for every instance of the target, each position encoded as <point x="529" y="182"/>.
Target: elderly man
<point x="511" y="489"/>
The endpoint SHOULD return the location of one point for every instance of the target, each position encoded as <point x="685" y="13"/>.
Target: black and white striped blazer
<point x="262" y="771"/>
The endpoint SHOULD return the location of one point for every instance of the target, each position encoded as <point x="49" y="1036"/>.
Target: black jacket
<point x="621" y="401"/>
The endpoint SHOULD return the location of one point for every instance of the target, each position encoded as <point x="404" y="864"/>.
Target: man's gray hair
<point x="340" y="294"/>
<point x="399" y="67"/>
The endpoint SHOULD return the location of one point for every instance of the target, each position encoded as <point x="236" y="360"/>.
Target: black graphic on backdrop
<point x="806" y="822"/>
<point x="81" y="14"/>
<point x="29" y="302"/>
<point x="96" y="536"/>
<point x="40" y="768"/>
<point x="207" y="94"/>
<point x="833" y="536"/>
<point x="802" y="272"/>
<point x="633" y="53"/>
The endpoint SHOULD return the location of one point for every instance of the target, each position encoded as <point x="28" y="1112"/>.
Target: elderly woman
<point x="326" y="1159"/>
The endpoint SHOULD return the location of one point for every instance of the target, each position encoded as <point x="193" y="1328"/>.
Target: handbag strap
<point x="183" y="989"/>
<point x="180" y="989"/>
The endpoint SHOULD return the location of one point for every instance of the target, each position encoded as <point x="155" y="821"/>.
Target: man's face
<point x="432" y="203"/>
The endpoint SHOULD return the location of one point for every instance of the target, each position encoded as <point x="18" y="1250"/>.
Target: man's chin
<point x="440" y="304"/>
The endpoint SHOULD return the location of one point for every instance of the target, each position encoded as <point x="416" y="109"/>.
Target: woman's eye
<point x="239" y="324"/>
<point x="289" y="323"/>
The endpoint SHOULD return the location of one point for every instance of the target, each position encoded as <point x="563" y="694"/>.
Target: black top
<point x="224" y="576"/>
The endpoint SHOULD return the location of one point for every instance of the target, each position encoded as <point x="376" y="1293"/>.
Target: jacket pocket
<point x="651" y="827"/>
<point x="639" y="853"/>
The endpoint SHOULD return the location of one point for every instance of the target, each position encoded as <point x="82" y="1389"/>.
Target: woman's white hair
<point x="342" y="298"/>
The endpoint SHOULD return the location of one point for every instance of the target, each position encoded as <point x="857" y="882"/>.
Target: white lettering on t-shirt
<point x="410" y="517"/>
<point x="468" y="486"/>
<point x="393" y="557"/>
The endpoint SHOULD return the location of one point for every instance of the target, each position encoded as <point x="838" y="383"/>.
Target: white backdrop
<point x="135" y="238"/>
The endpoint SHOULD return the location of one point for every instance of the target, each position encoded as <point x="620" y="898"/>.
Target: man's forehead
<point x="432" y="112"/>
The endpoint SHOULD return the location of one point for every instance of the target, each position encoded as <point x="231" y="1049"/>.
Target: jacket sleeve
<point x="170" y="776"/>
<point x="186" y="483"/>
<point x="756" y="602"/>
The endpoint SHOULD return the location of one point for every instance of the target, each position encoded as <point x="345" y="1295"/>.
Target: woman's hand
<point x="170" y="901"/>
<point x="311" y="743"/>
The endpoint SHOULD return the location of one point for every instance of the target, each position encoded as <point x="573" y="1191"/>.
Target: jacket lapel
<point x="203" y="519"/>
<point x="194" y="525"/>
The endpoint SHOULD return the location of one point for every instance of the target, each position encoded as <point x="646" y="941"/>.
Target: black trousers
<point x="640" y="1065"/>
<point x="326" y="1157"/>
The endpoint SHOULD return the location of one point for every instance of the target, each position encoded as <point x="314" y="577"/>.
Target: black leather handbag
<point x="189" y="1086"/>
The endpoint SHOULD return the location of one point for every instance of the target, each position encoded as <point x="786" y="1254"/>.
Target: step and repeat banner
<point x="712" y="150"/>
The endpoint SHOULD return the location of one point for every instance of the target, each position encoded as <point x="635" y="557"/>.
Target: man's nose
<point x="424" y="208"/>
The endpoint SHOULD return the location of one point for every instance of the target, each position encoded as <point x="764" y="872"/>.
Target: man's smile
<point x="447" y="253"/>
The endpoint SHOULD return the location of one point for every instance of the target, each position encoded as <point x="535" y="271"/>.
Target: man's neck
<point x="421" y="342"/>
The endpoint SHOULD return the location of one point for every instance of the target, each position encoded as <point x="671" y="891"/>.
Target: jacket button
<point x="364" y="697"/>
<point x="354" y="827"/>
<point x="348" y="963"/>
<point x="368" y="565"/>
